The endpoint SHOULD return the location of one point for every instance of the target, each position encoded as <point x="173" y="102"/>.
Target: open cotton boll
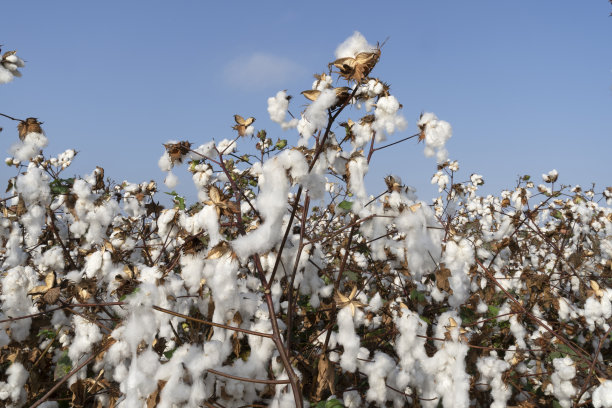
<point x="277" y="109"/>
<point x="561" y="381"/>
<point x="34" y="185"/>
<point x="30" y="147"/>
<point x="315" y="117"/>
<point x="357" y="169"/>
<point x="86" y="334"/>
<point x="602" y="396"/>
<point x="436" y="132"/>
<point x="491" y="369"/>
<point x="353" y="45"/>
<point x="348" y="339"/>
<point x="387" y="118"/>
<point x="6" y="75"/>
<point x="377" y="371"/>
<point x="13" y="389"/>
<point x="14" y="299"/>
<point x="171" y="180"/>
<point x="459" y="257"/>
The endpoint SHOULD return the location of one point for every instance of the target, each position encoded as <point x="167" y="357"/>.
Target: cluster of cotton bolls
<point x="63" y="160"/>
<point x="288" y="262"/>
<point x="9" y="66"/>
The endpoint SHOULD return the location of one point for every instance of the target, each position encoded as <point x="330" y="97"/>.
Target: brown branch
<point x="245" y="379"/>
<point x="206" y="322"/>
<point x="11" y="118"/>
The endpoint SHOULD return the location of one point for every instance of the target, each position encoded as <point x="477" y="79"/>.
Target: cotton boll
<point x="226" y="146"/>
<point x="459" y="257"/>
<point x="387" y="119"/>
<point x="357" y="168"/>
<point x="436" y="133"/>
<point x="192" y="267"/>
<point x="165" y="162"/>
<point x="30" y="147"/>
<point x="602" y="396"/>
<point x="491" y="369"/>
<point x="315" y="117"/>
<point x="171" y="180"/>
<point x="14" y="299"/>
<point x="34" y="186"/>
<point x="271" y="203"/>
<point x="561" y="385"/>
<point x="6" y="75"/>
<point x="353" y="45"/>
<point x="352" y="399"/>
<point x="86" y="335"/>
<point x="277" y="107"/>
<point x="377" y="371"/>
<point x="348" y="339"/>
<point x="13" y="389"/>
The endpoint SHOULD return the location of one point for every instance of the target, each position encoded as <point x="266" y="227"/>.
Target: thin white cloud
<point x="261" y="70"/>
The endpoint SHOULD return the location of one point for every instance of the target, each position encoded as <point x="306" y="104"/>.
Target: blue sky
<point x="526" y="85"/>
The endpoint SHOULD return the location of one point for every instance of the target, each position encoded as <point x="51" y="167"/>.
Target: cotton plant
<point x="288" y="282"/>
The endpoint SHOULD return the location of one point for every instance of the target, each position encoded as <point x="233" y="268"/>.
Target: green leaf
<point x="526" y="177"/>
<point x="416" y="295"/>
<point x="352" y="276"/>
<point x="493" y="311"/>
<point x="50" y="334"/>
<point x="346" y="205"/>
<point x="557" y="214"/>
<point x="281" y="143"/>
<point x="178" y="200"/>
<point x="61" y="186"/>
<point x="168" y="354"/>
<point x="63" y="367"/>
<point x="333" y="403"/>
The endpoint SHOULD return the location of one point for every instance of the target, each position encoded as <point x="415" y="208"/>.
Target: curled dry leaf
<point x="42" y="289"/>
<point x="325" y="377"/>
<point x="311" y="95"/>
<point x="219" y="250"/>
<point x="343" y="301"/>
<point x="595" y="289"/>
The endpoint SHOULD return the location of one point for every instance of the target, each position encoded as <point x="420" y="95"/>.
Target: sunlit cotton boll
<point x="436" y="132"/>
<point x="171" y="180"/>
<point x="353" y="45"/>
<point x="30" y="147"/>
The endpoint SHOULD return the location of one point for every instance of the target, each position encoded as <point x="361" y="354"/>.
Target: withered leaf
<point x="242" y="124"/>
<point x="52" y="295"/>
<point x="325" y="377"/>
<point x="153" y="399"/>
<point x="442" y="275"/>
<point x="218" y="250"/>
<point x="311" y="95"/>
